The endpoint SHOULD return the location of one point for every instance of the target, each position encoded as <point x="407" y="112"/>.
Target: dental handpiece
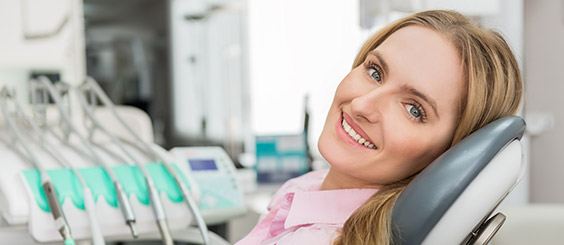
<point x="154" y="195"/>
<point x="199" y="219"/>
<point x="159" y="212"/>
<point x="193" y="208"/>
<point x="126" y="209"/>
<point x="123" y="200"/>
<point x="54" y="205"/>
<point x="60" y="220"/>
<point x="124" y="203"/>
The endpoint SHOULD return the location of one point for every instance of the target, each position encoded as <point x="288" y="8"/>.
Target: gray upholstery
<point x="434" y="190"/>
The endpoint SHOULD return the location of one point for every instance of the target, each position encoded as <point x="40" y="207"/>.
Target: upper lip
<point x="356" y="128"/>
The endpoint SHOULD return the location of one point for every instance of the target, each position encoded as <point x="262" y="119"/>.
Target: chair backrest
<point x="458" y="191"/>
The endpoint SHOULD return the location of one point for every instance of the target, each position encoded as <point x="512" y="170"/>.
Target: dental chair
<point x="452" y="200"/>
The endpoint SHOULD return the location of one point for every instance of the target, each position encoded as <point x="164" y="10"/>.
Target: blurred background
<point x="248" y="75"/>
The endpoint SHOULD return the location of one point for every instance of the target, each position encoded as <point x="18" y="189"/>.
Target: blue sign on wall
<point x="280" y="157"/>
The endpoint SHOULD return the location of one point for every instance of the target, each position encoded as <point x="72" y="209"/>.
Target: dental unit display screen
<point x="202" y="164"/>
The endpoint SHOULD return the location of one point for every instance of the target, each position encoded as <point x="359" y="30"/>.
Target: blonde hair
<point x="493" y="90"/>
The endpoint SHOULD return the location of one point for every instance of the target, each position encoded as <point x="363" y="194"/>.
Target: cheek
<point x="407" y="145"/>
<point x="413" y="146"/>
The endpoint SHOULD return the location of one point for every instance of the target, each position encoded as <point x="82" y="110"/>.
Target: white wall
<point x="544" y="76"/>
<point x="63" y="52"/>
<point x="298" y="47"/>
<point x="208" y="71"/>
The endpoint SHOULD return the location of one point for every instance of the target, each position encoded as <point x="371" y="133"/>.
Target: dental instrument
<point x="153" y="193"/>
<point x="46" y="183"/>
<point x="97" y="237"/>
<point x="44" y="84"/>
<point x="95" y="91"/>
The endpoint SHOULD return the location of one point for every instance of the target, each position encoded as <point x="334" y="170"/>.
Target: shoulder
<point x="306" y="182"/>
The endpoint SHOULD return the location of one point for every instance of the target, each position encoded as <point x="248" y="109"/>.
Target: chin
<point x="331" y="151"/>
<point x="322" y="145"/>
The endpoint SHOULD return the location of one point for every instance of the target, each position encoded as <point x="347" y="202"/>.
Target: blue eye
<point x="373" y="70"/>
<point x="375" y="74"/>
<point x="415" y="111"/>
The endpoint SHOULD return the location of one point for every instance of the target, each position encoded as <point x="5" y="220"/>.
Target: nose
<point x="366" y="107"/>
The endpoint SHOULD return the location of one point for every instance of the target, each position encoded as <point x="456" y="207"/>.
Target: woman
<point x="417" y="87"/>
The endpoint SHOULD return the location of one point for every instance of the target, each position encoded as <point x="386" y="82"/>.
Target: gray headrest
<point x="424" y="201"/>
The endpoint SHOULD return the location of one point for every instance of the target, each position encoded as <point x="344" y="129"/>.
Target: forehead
<point x="427" y="61"/>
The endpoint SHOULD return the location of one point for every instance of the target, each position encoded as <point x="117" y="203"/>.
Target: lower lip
<point x="344" y="136"/>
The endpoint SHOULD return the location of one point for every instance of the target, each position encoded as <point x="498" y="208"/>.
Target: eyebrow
<point x="380" y="60"/>
<point x="424" y="97"/>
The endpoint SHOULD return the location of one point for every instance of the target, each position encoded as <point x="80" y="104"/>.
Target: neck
<point x="336" y="180"/>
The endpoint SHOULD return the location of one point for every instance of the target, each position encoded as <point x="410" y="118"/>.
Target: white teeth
<point x="353" y="134"/>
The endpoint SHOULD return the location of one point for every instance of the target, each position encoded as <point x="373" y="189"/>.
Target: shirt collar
<point x="327" y="206"/>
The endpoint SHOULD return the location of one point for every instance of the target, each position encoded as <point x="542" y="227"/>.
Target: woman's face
<point x="396" y="112"/>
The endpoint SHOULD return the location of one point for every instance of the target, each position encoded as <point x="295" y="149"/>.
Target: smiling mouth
<point x="355" y="136"/>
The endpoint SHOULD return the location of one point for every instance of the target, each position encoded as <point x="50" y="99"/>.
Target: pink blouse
<point x="301" y="213"/>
